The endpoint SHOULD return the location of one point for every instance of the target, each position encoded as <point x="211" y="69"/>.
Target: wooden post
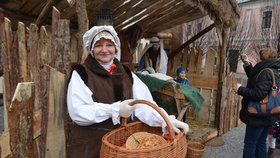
<point x="22" y="52"/>
<point x="6" y="51"/>
<point x="21" y="120"/>
<point x="222" y="34"/>
<point x="61" y="39"/>
<point x="55" y="18"/>
<point x="44" y="46"/>
<point x="83" y="23"/>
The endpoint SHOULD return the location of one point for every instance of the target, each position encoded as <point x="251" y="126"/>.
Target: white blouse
<point x="84" y="111"/>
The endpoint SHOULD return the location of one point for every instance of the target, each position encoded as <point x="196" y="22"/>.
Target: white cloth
<point x="84" y="111"/>
<point x="163" y="57"/>
<point x="96" y="31"/>
<point x="161" y="76"/>
<point x="271" y="141"/>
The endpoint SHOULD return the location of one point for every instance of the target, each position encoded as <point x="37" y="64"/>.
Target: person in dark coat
<point x="256" y="90"/>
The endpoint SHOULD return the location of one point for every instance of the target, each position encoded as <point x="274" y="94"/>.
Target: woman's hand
<point x="235" y="88"/>
<point x="245" y="59"/>
<point x="125" y="109"/>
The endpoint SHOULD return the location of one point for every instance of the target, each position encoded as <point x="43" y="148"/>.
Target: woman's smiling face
<point x="104" y="50"/>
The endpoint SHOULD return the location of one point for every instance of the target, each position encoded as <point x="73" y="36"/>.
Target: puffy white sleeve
<point x="82" y="109"/>
<point x="144" y="112"/>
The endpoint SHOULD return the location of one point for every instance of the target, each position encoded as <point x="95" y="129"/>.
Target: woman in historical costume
<point x="99" y="92"/>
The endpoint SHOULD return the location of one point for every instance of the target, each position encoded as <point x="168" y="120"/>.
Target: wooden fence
<point x="36" y="65"/>
<point x="203" y="73"/>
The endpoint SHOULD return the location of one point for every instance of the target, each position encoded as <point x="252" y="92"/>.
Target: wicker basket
<point x="195" y="150"/>
<point x="113" y="142"/>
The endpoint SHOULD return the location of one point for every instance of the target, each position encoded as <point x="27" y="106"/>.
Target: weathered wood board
<point x="20" y="120"/>
<point x="5" y="144"/>
<point x="55" y="138"/>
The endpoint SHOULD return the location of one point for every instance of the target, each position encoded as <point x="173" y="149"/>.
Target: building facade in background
<point x="258" y="27"/>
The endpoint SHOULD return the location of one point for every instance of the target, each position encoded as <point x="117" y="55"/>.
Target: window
<point x="266" y="21"/>
<point x="189" y="30"/>
<point x="233" y="59"/>
<point x="199" y="27"/>
<point x="248" y="20"/>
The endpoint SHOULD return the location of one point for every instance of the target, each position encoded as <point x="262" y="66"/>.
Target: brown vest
<point x="85" y="141"/>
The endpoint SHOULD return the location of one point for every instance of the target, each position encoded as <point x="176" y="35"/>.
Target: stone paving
<point x="233" y="147"/>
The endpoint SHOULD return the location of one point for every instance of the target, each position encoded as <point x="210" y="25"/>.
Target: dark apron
<point x="85" y="141"/>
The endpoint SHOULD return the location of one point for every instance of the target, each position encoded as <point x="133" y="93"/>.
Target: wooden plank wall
<point x="39" y="58"/>
<point x="205" y="78"/>
<point x="203" y="74"/>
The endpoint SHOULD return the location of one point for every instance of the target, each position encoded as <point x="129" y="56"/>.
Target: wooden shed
<point x="40" y="40"/>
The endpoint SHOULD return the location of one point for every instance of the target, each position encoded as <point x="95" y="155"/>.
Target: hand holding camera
<point x="245" y="59"/>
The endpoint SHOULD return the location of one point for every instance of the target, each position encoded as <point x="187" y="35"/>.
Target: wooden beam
<point x="171" y="12"/>
<point x="30" y="6"/>
<point x="160" y="26"/>
<point x="130" y="14"/>
<point x="15" y="4"/>
<point x="223" y="46"/>
<point x="207" y="29"/>
<point x="65" y="4"/>
<point x="159" y="11"/>
<point x="124" y="8"/>
<point x="116" y="5"/>
<point x="15" y="15"/>
<point x="45" y="12"/>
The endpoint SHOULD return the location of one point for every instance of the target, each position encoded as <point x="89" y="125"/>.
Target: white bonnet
<point x="97" y="32"/>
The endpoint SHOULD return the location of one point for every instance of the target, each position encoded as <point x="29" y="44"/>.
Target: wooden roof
<point x="152" y="15"/>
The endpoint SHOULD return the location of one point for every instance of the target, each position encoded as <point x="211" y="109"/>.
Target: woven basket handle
<point x="169" y="125"/>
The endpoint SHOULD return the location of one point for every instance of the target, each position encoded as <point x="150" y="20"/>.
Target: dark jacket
<point x="258" y="87"/>
<point x="256" y="90"/>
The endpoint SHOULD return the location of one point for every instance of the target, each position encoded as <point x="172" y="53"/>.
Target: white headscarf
<point x="97" y="32"/>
